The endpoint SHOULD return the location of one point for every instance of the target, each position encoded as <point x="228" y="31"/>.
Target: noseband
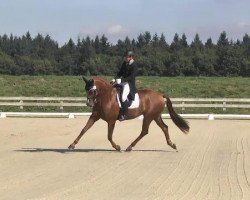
<point x="92" y="95"/>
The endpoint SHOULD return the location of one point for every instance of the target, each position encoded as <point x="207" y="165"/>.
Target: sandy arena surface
<point x="212" y="162"/>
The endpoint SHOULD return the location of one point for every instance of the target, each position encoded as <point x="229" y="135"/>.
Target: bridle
<point x="92" y="96"/>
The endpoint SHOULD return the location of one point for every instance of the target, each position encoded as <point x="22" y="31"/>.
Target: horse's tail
<point x="177" y="119"/>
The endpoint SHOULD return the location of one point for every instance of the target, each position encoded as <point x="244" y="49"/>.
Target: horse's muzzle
<point x="91" y="97"/>
<point x="90" y="102"/>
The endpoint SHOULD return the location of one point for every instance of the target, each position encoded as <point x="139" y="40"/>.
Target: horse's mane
<point x="102" y="80"/>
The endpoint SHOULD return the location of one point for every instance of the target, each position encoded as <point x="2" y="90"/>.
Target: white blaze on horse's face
<point x="91" y="96"/>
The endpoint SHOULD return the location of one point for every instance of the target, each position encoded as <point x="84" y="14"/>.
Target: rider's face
<point x="127" y="58"/>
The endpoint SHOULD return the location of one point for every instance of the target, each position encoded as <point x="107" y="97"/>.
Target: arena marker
<point x="3" y="115"/>
<point x="210" y="117"/>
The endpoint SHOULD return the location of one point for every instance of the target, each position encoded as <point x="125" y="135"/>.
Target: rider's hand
<point x="118" y="81"/>
<point x="112" y="82"/>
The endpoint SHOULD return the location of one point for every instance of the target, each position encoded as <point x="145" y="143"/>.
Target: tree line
<point x="97" y="56"/>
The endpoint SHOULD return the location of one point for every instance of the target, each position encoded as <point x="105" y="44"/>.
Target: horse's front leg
<point x="111" y="126"/>
<point x="91" y="121"/>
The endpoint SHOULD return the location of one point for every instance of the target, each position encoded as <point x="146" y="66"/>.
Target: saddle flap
<point x="132" y="103"/>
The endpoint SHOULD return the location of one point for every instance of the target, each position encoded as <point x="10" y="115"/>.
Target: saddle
<point x="132" y="103"/>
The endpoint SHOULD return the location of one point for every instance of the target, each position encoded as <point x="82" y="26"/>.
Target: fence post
<point x="61" y="107"/>
<point x="224" y="106"/>
<point x="21" y="104"/>
<point x="183" y="106"/>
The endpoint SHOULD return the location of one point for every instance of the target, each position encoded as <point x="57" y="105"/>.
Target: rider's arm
<point x="120" y="72"/>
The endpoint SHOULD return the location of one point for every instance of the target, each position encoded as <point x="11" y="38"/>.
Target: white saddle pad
<point x="135" y="103"/>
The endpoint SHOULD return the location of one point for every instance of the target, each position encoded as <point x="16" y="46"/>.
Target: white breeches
<point x="125" y="92"/>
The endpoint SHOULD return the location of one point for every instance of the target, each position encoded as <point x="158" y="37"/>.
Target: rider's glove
<point x="118" y="81"/>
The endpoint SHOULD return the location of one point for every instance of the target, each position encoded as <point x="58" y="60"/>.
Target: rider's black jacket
<point x="127" y="74"/>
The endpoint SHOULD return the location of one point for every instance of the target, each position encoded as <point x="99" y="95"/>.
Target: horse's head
<point x="91" y="91"/>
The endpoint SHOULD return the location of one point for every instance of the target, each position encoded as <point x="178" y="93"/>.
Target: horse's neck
<point x="104" y="91"/>
<point x="105" y="88"/>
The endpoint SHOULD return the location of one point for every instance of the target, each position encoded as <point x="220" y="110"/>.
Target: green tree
<point x="42" y="55"/>
<point x="147" y="37"/>
<point x="104" y="44"/>
<point x="7" y="64"/>
<point x="197" y="43"/>
<point x="209" y="43"/>
<point x="176" y="43"/>
<point x="162" y="42"/>
<point x="183" y="40"/>
<point x="228" y="58"/>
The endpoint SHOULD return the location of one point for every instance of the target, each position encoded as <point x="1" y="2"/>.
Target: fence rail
<point x="182" y="103"/>
<point x="43" y="101"/>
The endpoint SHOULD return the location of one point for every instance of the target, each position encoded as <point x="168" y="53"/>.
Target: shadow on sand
<point x="40" y="150"/>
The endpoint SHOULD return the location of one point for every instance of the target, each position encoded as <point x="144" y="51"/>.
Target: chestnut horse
<point x="101" y="95"/>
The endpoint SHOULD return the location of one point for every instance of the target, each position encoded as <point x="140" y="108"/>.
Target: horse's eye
<point x="91" y="92"/>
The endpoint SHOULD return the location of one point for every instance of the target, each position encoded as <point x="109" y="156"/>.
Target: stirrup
<point x="122" y="118"/>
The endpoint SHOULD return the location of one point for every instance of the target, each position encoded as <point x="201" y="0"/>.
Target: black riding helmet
<point x="129" y="53"/>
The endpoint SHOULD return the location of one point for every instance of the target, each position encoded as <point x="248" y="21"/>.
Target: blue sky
<point x="64" y="19"/>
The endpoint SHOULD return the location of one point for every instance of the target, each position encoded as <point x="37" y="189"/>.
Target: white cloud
<point x="243" y="25"/>
<point x="113" y="32"/>
<point x="115" y="29"/>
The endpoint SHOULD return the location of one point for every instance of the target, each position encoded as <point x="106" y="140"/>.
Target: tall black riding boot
<point x="123" y="111"/>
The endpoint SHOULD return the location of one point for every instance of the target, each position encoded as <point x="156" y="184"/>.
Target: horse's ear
<point x="85" y="80"/>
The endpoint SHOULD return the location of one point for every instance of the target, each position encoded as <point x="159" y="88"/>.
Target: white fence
<point x="223" y="103"/>
<point x="43" y="101"/>
<point x="61" y="102"/>
<point x="182" y="103"/>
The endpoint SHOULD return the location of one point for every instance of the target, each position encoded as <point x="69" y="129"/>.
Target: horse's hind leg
<point x="89" y="124"/>
<point x="164" y="128"/>
<point x="145" y="126"/>
<point x="111" y="127"/>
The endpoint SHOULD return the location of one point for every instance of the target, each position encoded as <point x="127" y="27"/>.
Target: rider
<point x="126" y="78"/>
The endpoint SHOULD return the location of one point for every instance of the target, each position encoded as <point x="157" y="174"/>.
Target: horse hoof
<point x="118" y="148"/>
<point x="71" y="147"/>
<point x="129" y="149"/>
<point x="174" y="146"/>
